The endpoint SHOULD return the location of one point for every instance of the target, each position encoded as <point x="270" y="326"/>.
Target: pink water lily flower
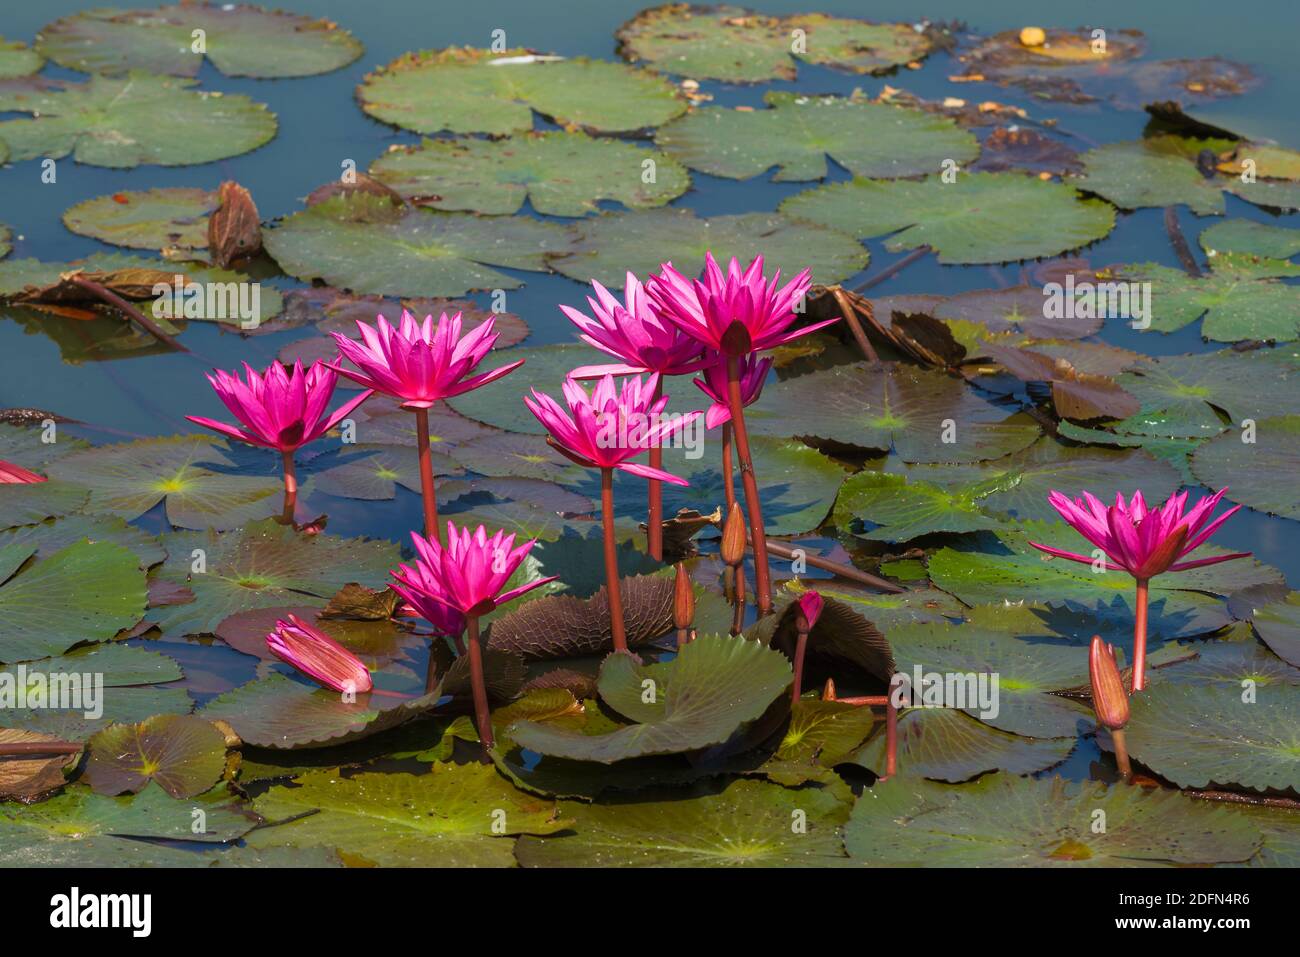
<point x="319" y="656"/>
<point x="11" y="474"/>
<point x="753" y="374"/>
<point x="1142" y="541"/>
<point x="278" y="409"/>
<point x="735" y="312"/>
<point x="632" y="332"/>
<point x="420" y="363"/>
<point x="611" y="425"/>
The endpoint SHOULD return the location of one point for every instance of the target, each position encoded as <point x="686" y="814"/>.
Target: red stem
<point x="762" y="578"/>
<point x="800" y="648"/>
<point x="655" y="521"/>
<point x="131" y="312"/>
<point x="728" y="479"/>
<point x="891" y="739"/>
<point x="611" y="561"/>
<point x="738" y="593"/>
<point x="290" y="487"/>
<point x="1140" y="638"/>
<point x="427" y="491"/>
<point x="25" y="748"/>
<point x="482" y="716"/>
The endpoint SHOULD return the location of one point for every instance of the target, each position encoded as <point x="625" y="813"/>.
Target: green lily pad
<point x="1016" y="310"/>
<point x="737" y="45"/>
<point x="1198" y="733"/>
<point x="17" y="60"/>
<point x="125" y="121"/>
<point x="924" y="416"/>
<point x="559" y="173"/>
<point x="1172" y="451"/>
<point x="6" y="246"/>
<point x="979" y="218"/>
<point x="821" y="734"/>
<point x="130" y="479"/>
<point x="183" y="754"/>
<point x="1249" y="238"/>
<point x="49" y="537"/>
<point x="796" y="133"/>
<point x="464" y="90"/>
<point x="505" y="454"/>
<point x="1003" y="820"/>
<point x="714" y="686"/>
<point x="367" y="244"/>
<point x="902" y="510"/>
<point x="744" y="824"/>
<point x="239" y="40"/>
<point x="545" y="369"/>
<point x="1258" y="473"/>
<point x="885" y="609"/>
<point x="88" y="591"/>
<point x="454" y="816"/>
<point x="148" y="219"/>
<point x="1278" y="626"/>
<point x="263" y="565"/>
<point x="24" y="503"/>
<point x="606" y="247"/>
<point x="376" y="476"/>
<point x="1231" y="663"/>
<point x="948" y="745"/>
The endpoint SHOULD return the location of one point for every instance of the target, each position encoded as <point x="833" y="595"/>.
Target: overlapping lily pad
<point x="607" y="247"/>
<point x="183" y="754"/>
<point x="367" y="244"/>
<point x="49" y="537"/>
<point x="737" y="45"/>
<point x="902" y="510"/>
<point x="1247" y="237"/>
<point x="1278" y="625"/>
<point x="373" y="472"/>
<point x="130" y="120"/>
<point x="796" y="133"/>
<point x="978" y="218"/>
<point x="465" y="90"/>
<point x="1259" y="473"/>
<point x="238" y="39"/>
<point x="557" y="172"/>
<point x="149" y="219"/>
<point x="17" y="60"/>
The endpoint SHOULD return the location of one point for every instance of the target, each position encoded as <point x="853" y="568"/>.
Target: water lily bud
<point x="683" y="599"/>
<point x="1109" y="699"/>
<point x="1032" y="37"/>
<point x="810" y="609"/>
<point x="733" y="536"/>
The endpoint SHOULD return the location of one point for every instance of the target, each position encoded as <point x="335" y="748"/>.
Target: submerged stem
<point x="611" y="561"/>
<point x="762" y="578"/>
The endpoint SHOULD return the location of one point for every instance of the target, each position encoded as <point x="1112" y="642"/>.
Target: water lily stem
<point x="28" y="748"/>
<point x="855" y="326"/>
<point x="892" y="270"/>
<point x="1121" y="754"/>
<point x="611" y="561"/>
<point x="738" y="593"/>
<point x="655" y="520"/>
<point x="131" y="312"/>
<point x="427" y="491"/>
<point x="1179" y="242"/>
<point x="482" y="716"/>
<point x="728" y="477"/>
<point x="762" y="577"/>
<point x="1140" y="638"/>
<point x="800" y="649"/>
<point x="290" y="487"/>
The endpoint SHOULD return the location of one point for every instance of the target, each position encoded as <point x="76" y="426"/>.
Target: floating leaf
<point x="374" y="642"/>
<point x="715" y="685"/>
<point x="185" y="755"/>
<point x="366" y="244"/>
<point x="446" y="818"/>
<point x="504" y="454"/>
<point x="1002" y="820"/>
<point x="737" y="45"/>
<point x="375" y="476"/>
<point x="796" y="133"/>
<point x="464" y="90"/>
<point x="49" y="537"/>
<point x="23" y="503"/>
<point x="980" y="218"/>
<point x="1259" y="472"/>
<point x="1248" y="238"/>
<point x="239" y="40"/>
<point x="743" y="824"/>
<point x="1019" y="309"/>
<point x="885" y="609"/>
<point x="1278" y="625"/>
<point x="899" y="407"/>
<point x="125" y="121"/>
<point x="821" y="734"/>
<point x="559" y="173"/>
<point x="148" y="219"/>
<point x="902" y="510"/>
<point x="606" y="247"/>
<point x="16" y="60"/>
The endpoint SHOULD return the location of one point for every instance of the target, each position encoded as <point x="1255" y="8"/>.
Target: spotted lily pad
<point x="714" y="686"/>
<point x="238" y="39"/>
<point x="742" y="824"/>
<point x="128" y="480"/>
<point x="185" y="755"/>
<point x="1246" y="237"/>
<point x="1003" y="820"/>
<point x="149" y="219"/>
<point x="559" y="173"/>
<point x="1260" y="473"/>
<point x="130" y="120"/>
<point x="17" y="60"/>
<point x="979" y="218"/>
<point x="367" y="244"/>
<point x="454" y="816"/>
<point x="737" y="45"/>
<point x="796" y="133"/>
<point x="925" y="416"/>
<point x="464" y="90"/>
<point x="606" y="247"/>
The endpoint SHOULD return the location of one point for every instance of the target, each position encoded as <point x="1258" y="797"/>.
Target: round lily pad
<point x="559" y="173"/>
<point x="464" y="90"/>
<point x="373" y="472"/>
<point x="505" y="454"/>
<point x="607" y="247"/>
<point x="737" y="45"/>
<point x="130" y="120"/>
<point x="238" y="39"/>
<point x="366" y="244"/>
<point x="150" y="219"/>
<point x="1018" y="309"/>
<point x="1250" y="238"/>
<point x="978" y="218"/>
<point x="1259" y="473"/>
<point x="50" y="537"/>
<point x="796" y="133"/>
<point x="902" y="510"/>
<point x="185" y="755"/>
<point x="17" y="60"/>
<point x="1278" y="625"/>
